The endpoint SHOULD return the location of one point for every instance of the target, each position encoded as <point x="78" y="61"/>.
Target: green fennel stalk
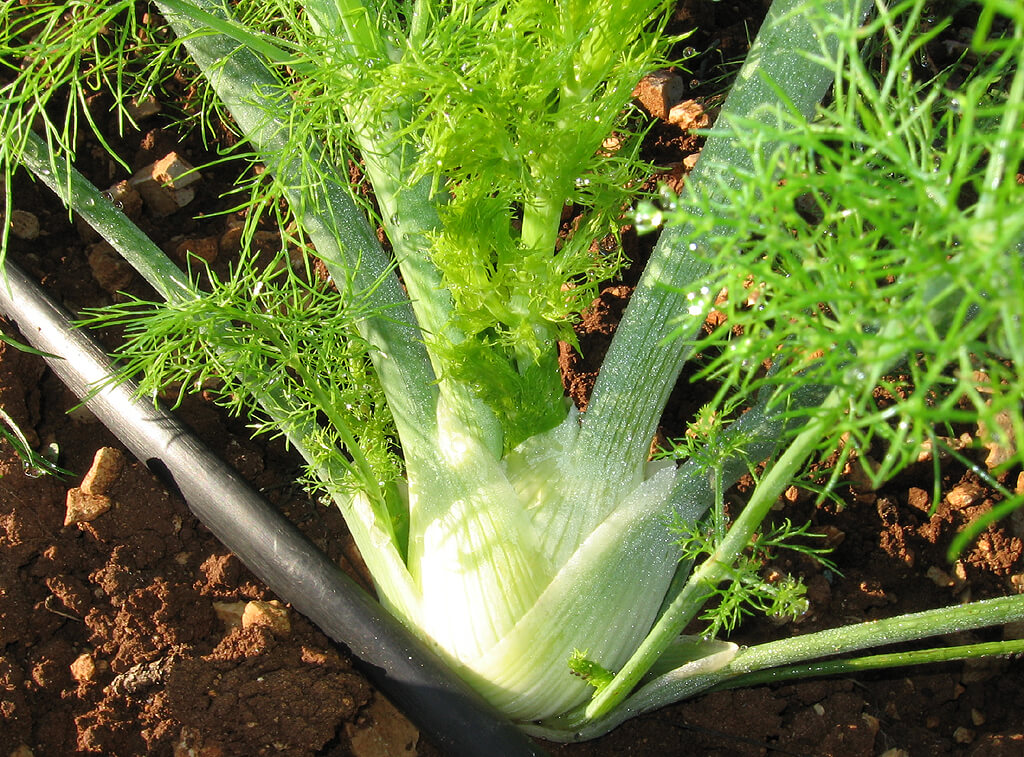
<point x="511" y="533"/>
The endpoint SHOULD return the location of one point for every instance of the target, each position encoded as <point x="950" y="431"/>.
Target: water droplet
<point x="855" y="376"/>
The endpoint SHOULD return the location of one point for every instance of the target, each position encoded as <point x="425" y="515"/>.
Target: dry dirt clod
<point x="141" y="676"/>
<point x="690" y="114"/>
<point x="918" y="498"/>
<point x="82" y="507"/>
<point x="107" y="464"/>
<point x="658" y="92"/>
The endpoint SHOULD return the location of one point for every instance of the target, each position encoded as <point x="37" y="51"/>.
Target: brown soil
<point x="124" y="633"/>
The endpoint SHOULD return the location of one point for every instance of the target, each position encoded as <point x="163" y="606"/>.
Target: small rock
<point x="272" y="614"/>
<point x="82" y="414"/>
<point x="658" y="92"/>
<point x="262" y="241"/>
<point x="382" y="731"/>
<point x="1000" y="442"/>
<point x="191" y="743"/>
<point x="24" y="225"/>
<point x="125" y="198"/>
<point x="82" y="507"/>
<point x="963" y="735"/>
<point x="946" y="445"/>
<point x="175" y="172"/>
<point x="144" y="108"/>
<point x="832" y="536"/>
<point x="165" y="185"/>
<point x="964" y="495"/>
<point x="22" y="750"/>
<point x="980" y="669"/>
<point x="611" y="145"/>
<point x="83" y="669"/>
<point x="857" y="472"/>
<point x="977" y="716"/>
<point x="206" y="248"/>
<point x="111" y="272"/>
<point x="940" y="577"/>
<point x="107" y="465"/>
<point x="230" y="613"/>
<point x="690" y="114"/>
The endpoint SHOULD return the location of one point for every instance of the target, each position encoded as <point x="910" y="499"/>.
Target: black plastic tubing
<point x="453" y="716"/>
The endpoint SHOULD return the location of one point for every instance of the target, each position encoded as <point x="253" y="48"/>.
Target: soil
<point x="133" y="631"/>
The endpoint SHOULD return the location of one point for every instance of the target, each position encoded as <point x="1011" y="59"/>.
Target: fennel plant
<point x="536" y="547"/>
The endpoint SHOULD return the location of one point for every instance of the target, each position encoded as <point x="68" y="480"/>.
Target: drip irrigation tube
<point x="452" y="715"/>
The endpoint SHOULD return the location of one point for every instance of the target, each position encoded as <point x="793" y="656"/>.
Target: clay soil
<point x="135" y="632"/>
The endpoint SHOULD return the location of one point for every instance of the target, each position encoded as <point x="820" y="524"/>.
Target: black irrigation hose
<point x="451" y="714"/>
